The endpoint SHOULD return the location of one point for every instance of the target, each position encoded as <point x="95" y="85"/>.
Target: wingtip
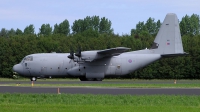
<point x="122" y="48"/>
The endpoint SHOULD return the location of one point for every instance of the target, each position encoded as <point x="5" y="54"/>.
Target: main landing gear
<point x="90" y="79"/>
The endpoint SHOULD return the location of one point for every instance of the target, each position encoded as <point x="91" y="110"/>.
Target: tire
<point x="86" y="79"/>
<point x="33" y="78"/>
<point x="99" y="79"/>
<point x="90" y="79"/>
<point x="82" y="79"/>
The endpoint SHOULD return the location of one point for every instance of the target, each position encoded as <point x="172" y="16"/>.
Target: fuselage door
<point x="43" y="71"/>
<point x="27" y="68"/>
<point x="115" y="66"/>
<point x="118" y="66"/>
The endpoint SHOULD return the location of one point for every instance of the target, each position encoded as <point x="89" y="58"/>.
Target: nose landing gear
<point x="33" y="78"/>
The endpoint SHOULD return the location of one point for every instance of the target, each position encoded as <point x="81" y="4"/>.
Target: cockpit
<point x="27" y="58"/>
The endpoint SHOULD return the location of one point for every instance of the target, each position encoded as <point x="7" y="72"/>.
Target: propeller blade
<point x="78" y="53"/>
<point x="71" y="56"/>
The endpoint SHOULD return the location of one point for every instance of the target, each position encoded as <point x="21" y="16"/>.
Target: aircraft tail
<point x="168" y="40"/>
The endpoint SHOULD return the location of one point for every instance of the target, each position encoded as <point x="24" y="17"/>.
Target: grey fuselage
<point x="58" y="65"/>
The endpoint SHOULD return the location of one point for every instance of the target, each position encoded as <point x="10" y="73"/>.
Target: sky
<point x="124" y="14"/>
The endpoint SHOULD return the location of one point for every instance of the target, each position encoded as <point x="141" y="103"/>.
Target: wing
<point x="99" y="54"/>
<point x="113" y="51"/>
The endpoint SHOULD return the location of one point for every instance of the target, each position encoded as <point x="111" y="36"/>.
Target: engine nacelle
<point x="90" y="55"/>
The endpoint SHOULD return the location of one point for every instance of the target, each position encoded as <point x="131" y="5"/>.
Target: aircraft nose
<point x="18" y="68"/>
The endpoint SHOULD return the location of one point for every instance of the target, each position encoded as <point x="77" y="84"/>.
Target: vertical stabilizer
<point x="168" y="40"/>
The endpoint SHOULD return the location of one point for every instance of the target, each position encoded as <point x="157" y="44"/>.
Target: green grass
<point x="96" y="108"/>
<point x="97" y="103"/>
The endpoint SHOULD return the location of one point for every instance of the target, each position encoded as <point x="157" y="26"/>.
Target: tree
<point x="82" y="25"/>
<point x="141" y="28"/>
<point x="29" y="29"/>
<point x="11" y="32"/>
<point x="62" y="28"/>
<point x="4" y="32"/>
<point x="92" y="25"/>
<point x="151" y="26"/>
<point x="158" y="25"/>
<point x="77" y="26"/>
<point x="95" y="22"/>
<point x="19" y="32"/>
<point x="184" y="25"/>
<point x="190" y="25"/>
<point x="56" y="29"/>
<point x="45" y="30"/>
<point x="105" y="26"/>
<point x="195" y="24"/>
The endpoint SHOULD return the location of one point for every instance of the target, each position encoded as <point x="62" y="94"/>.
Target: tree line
<point x="93" y="24"/>
<point x="97" y="33"/>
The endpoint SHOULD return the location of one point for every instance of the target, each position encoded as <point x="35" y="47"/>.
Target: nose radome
<point x="18" y="68"/>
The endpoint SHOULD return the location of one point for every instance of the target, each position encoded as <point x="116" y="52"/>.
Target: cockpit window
<point x="28" y="58"/>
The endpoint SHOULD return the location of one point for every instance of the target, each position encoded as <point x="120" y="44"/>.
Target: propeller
<point x="78" y="53"/>
<point x="71" y="56"/>
<point x="74" y="58"/>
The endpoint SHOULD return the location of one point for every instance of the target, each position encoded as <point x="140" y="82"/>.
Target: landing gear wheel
<point x="33" y="79"/>
<point x="99" y="79"/>
<point x="90" y="79"/>
<point x="82" y="78"/>
<point x="86" y="79"/>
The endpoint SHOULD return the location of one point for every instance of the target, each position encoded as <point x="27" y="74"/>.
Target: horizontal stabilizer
<point x="174" y="55"/>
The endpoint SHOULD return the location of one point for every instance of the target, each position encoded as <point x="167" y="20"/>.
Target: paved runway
<point x="96" y="90"/>
<point x="112" y="91"/>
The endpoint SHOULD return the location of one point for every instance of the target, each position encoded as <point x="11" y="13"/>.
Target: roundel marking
<point x="130" y="60"/>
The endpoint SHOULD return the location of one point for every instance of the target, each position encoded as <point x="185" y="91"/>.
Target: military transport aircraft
<point x="95" y="65"/>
